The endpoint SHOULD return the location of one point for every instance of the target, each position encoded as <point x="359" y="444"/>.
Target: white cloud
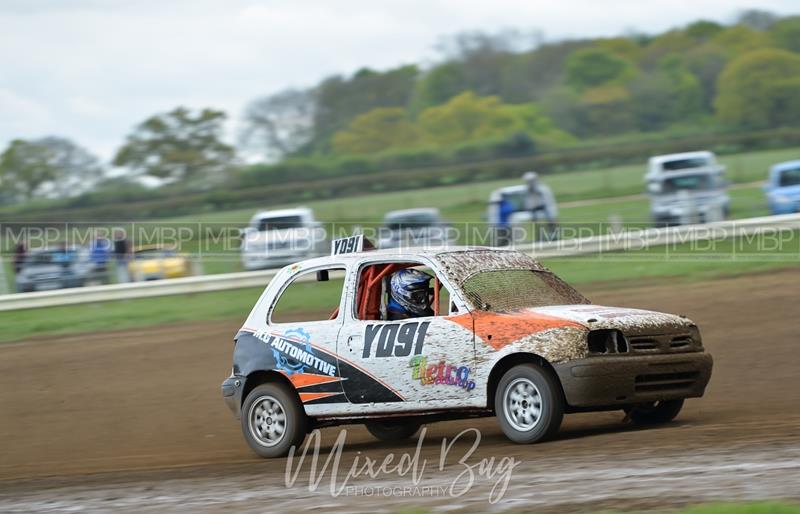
<point x="92" y="69"/>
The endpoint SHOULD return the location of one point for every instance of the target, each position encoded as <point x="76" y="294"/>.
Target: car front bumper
<point x="232" y="394"/>
<point x="621" y="380"/>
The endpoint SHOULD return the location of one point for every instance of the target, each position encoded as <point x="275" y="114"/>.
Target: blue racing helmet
<point x="409" y="289"/>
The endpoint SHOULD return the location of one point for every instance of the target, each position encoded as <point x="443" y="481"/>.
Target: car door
<point x="303" y="322"/>
<point x="405" y="364"/>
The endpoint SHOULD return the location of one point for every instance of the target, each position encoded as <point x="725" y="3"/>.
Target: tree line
<point x="489" y="95"/>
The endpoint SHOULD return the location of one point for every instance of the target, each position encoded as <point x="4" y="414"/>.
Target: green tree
<point x="756" y="19"/>
<point x="760" y="89"/>
<point x="537" y="72"/>
<point x="78" y="170"/>
<point x="706" y="62"/>
<point x="786" y="33"/>
<point x="594" y="67"/>
<point x="377" y="130"/>
<point x="468" y="117"/>
<point x="439" y="85"/>
<point x="340" y="100"/>
<point x="605" y="110"/>
<point x="178" y="145"/>
<point x="25" y="168"/>
<point x="672" y="42"/>
<point x="278" y="125"/>
<point x="50" y="166"/>
<point x="703" y="30"/>
<point x="621" y="47"/>
<point x="740" y="39"/>
<point x="668" y="94"/>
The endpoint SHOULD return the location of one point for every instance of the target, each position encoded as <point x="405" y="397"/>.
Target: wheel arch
<point x="509" y="361"/>
<point x="264" y="376"/>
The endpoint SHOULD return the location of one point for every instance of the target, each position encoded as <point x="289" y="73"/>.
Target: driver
<point x="410" y="295"/>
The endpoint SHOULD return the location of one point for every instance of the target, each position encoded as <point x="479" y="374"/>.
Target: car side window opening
<point x="307" y="299"/>
<point x="374" y="286"/>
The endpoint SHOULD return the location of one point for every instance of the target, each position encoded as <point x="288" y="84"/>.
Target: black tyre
<point x="528" y="404"/>
<point x="654" y="413"/>
<point x="392" y="430"/>
<point x="273" y="420"/>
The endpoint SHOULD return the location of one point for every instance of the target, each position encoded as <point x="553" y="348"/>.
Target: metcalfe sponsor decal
<point x="440" y="373"/>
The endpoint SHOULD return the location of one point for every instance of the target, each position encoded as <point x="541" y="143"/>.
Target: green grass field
<point x="673" y="263"/>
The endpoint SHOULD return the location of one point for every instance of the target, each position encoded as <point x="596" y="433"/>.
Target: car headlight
<point x="695" y="334"/>
<point x="782" y="199"/>
<point x="602" y="342"/>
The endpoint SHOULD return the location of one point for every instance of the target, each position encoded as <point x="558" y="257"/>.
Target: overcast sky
<point x="92" y="69"/>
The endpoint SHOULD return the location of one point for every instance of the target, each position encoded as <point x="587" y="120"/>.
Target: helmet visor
<point x="420" y="297"/>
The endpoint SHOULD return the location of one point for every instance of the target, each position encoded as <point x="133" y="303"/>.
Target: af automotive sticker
<point x="293" y="352"/>
<point x="307" y="366"/>
<point x="394" y="339"/>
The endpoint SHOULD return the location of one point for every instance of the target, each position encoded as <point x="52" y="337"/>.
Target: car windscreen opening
<point x="279" y="223"/>
<point x="516" y="289"/>
<point x="689" y="183"/>
<point x="789" y="178"/>
<point x="411" y="222"/>
<point x="684" y="164"/>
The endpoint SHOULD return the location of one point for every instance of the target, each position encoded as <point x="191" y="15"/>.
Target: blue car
<point x="783" y="188"/>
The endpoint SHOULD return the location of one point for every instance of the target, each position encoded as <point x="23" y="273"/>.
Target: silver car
<point x="415" y="227"/>
<point x="59" y="268"/>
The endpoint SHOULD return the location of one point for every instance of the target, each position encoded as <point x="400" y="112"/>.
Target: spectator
<point x="98" y="253"/>
<point x="506" y="209"/>
<point x="20" y="253"/>
<point x="122" y="253"/>
<point x="540" y="202"/>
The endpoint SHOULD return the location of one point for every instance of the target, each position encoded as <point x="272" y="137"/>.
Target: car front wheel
<point x="273" y="420"/>
<point x="528" y="404"/>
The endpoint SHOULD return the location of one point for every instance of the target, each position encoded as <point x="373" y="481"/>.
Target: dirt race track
<point x="134" y="420"/>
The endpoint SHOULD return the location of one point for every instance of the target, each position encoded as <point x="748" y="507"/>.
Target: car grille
<point x="278" y="245"/>
<point x="662" y="343"/>
<point x="658" y="382"/>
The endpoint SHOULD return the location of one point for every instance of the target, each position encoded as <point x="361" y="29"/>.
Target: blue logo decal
<point x="297" y="336"/>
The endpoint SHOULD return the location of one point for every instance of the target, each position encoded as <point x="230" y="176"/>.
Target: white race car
<point x="507" y="338"/>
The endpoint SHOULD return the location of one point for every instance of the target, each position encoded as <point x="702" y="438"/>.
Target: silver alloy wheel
<point x="523" y="404"/>
<point x="267" y="420"/>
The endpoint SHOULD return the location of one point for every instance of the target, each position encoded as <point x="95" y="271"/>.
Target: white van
<point x="276" y="238"/>
<point x="686" y="188"/>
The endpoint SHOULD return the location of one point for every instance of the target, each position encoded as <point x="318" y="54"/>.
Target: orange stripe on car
<point x="309" y="379"/>
<point x="310" y="397"/>
<point x="497" y="330"/>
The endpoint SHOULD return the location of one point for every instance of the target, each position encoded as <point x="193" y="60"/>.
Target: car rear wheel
<point x="528" y="404"/>
<point x="392" y="430"/>
<point x="273" y="420"/>
<point x="654" y="413"/>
